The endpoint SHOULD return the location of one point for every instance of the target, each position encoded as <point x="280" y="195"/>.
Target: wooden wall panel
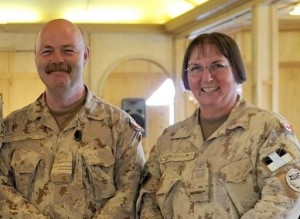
<point x="289" y="46"/>
<point x="289" y="77"/>
<point x="5" y="94"/>
<point x="289" y="103"/>
<point x="4" y="62"/>
<point x="139" y="79"/>
<point x="19" y="81"/>
<point x="24" y="90"/>
<point x="158" y="120"/>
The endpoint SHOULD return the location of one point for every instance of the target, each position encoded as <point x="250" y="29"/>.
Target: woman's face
<point x="215" y="89"/>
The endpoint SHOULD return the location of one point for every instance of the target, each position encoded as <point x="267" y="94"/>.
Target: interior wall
<point x="19" y="82"/>
<point x="111" y="49"/>
<point x="139" y="78"/>
<point x="289" y="72"/>
<point x="289" y="77"/>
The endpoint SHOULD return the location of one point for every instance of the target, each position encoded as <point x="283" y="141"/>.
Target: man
<point x="68" y="154"/>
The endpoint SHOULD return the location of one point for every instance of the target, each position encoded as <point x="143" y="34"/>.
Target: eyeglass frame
<point x="212" y="69"/>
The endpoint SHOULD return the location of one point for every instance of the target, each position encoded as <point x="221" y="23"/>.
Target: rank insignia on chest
<point x="277" y="159"/>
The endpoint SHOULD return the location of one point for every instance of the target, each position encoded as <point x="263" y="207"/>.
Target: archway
<point x="139" y="78"/>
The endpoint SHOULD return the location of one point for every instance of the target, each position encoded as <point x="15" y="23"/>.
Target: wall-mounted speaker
<point x="136" y="108"/>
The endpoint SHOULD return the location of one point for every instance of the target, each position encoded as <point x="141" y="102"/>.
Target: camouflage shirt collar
<point x="237" y="118"/>
<point x="93" y="108"/>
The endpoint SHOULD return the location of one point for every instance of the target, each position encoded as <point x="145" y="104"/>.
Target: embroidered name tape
<point x="293" y="179"/>
<point x="277" y="159"/>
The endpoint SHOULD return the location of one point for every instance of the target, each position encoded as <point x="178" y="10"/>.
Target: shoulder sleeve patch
<point x="277" y="159"/>
<point x="293" y="179"/>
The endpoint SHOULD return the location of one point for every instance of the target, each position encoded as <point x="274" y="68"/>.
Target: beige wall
<point x="111" y="49"/>
<point x="139" y="79"/>
<point x="19" y="82"/>
<point x="289" y="77"/>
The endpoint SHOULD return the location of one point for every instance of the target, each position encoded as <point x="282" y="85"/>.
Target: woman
<point x="230" y="159"/>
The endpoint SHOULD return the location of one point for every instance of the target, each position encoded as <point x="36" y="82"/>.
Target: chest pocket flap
<point x="240" y="185"/>
<point x="100" y="168"/>
<point x="237" y="171"/>
<point x="100" y="156"/>
<point x="25" y="160"/>
<point x="166" y="191"/>
<point x="25" y="163"/>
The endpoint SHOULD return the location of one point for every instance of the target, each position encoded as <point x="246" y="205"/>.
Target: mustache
<point x="58" y="67"/>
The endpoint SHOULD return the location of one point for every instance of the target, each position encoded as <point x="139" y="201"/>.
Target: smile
<point x="209" y="89"/>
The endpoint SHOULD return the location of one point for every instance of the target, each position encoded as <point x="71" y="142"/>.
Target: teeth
<point x="209" y="89"/>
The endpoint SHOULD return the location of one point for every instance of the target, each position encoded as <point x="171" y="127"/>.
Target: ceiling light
<point x="11" y="16"/>
<point x="105" y="15"/>
<point x="296" y="10"/>
<point x="179" y="8"/>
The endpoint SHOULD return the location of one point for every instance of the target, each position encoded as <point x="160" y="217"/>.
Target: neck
<point x="213" y="111"/>
<point x="60" y="100"/>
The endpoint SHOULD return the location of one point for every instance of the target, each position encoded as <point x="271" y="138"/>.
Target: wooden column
<point x="181" y="96"/>
<point x="265" y="56"/>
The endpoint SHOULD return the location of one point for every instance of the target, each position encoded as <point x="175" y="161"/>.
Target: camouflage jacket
<point x="248" y="168"/>
<point x="90" y="169"/>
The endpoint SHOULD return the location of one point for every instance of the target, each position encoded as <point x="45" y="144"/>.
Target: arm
<point x="147" y="204"/>
<point x="12" y="203"/>
<point x="278" y="186"/>
<point x="128" y="168"/>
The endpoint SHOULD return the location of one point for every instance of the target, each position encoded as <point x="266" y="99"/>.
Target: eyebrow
<point x="214" y="62"/>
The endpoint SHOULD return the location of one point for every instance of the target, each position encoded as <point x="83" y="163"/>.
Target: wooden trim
<point x="89" y="28"/>
<point x="289" y="64"/>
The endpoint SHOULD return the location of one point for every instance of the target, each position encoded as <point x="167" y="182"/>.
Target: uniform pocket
<point x="100" y="164"/>
<point x="240" y="184"/>
<point x="165" y="192"/>
<point x="24" y="163"/>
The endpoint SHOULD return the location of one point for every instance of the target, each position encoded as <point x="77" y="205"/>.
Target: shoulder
<point x="99" y="109"/>
<point x="30" y="112"/>
<point x="20" y="114"/>
<point x="182" y="128"/>
<point x="263" y="117"/>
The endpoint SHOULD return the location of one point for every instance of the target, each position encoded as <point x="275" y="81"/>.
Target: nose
<point x="206" y="75"/>
<point x="57" y="57"/>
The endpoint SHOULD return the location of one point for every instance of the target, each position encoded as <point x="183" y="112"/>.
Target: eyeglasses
<point x="197" y="70"/>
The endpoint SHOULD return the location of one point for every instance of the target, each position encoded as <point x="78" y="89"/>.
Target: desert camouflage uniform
<point x="90" y="169"/>
<point x="1" y="125"/>
<point x="230" y="175"/>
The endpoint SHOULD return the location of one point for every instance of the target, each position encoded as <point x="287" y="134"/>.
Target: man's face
<point x="60" y="55"/>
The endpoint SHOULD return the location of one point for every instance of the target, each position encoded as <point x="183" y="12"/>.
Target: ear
<point x="86" y="54"/>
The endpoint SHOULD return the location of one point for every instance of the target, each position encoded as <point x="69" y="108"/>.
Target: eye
<point x="45" y="51"/>
<point x="195" y="68"/>
<point x="69" y="51"/>
<point x="217" y="67"/>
